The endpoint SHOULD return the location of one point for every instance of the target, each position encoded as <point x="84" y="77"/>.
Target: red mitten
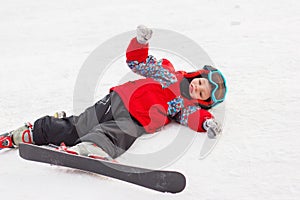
<point x="196" y="120"/>
<point x="136" y="51"/>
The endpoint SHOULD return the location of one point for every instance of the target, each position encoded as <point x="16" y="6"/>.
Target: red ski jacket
<point x="155" y="100"/>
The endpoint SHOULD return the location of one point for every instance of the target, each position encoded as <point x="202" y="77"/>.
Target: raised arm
<point x="146" y="65"/>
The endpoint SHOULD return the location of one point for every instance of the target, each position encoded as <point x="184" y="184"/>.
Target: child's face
<point x="200" y="89"/>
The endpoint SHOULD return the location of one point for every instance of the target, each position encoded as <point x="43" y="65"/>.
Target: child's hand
<point x="143" y="34"/>
<point x="212" y="128"/>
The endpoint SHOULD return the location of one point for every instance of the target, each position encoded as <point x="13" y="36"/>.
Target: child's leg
<point x="55" y="131"/>
<point x="50" y="130"/>
<point x="114" y="137"/>
<point x="117" y="135"/>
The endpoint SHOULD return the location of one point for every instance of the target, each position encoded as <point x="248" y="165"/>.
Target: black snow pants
<point x="107" y="124"/>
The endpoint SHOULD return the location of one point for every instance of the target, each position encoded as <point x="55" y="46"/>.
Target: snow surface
<point x="256" y="44"/>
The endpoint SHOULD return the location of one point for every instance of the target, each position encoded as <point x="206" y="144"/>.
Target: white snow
<point x="43" y="45"/>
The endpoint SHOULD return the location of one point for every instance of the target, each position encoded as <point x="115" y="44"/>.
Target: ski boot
<point x="14" y="138"/>
<point x="86" y="149"/>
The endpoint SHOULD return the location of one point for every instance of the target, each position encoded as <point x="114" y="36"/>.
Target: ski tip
<point x="176" y="184"/>
<point x="182" y="186"/>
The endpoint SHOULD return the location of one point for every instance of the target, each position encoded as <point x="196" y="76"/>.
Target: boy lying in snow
<point x="108" y="128"/>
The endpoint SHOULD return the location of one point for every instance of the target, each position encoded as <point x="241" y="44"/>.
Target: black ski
<point x="163" y="181"/>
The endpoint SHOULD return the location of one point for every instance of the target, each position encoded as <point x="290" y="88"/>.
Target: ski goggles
<point x="219" y="88"/>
